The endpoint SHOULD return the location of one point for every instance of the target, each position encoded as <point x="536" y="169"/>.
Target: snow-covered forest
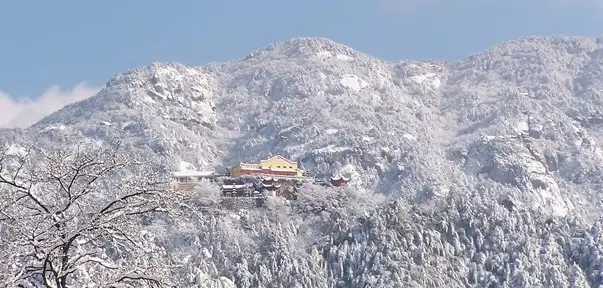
<point x="483" y="172"/>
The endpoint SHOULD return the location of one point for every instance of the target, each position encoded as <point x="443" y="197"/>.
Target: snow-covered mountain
<point x="520" y="122"/>
<point x="522" y="115"/>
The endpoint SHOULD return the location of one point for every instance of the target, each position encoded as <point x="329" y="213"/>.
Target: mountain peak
<point x="547" y="46"/>
<point x="303" y="47"/>
<point x="146" y="72"/>
<point x="156" y="89"/>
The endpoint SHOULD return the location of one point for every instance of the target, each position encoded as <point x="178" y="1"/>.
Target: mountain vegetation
<point x="482" y="172"/>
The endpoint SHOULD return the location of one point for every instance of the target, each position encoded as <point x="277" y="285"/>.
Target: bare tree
<point x="70" y="217"/>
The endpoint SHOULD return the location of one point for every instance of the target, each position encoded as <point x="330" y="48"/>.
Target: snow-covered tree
<point x="70" y="218"/>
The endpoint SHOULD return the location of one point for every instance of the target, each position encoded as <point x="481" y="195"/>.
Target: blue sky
<point x="68" y="49"/>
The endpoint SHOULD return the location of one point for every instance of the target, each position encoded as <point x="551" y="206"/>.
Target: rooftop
<point x="193" y="173"/>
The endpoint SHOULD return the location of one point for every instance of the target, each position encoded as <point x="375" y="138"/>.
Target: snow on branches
<point x="71" y="216"/>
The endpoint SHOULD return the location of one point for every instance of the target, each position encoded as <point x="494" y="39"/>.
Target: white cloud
<point x="24" y="112"/>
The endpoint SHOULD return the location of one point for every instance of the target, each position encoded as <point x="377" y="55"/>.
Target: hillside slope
<point x="524" y="114"/>
<point x="444" y="142"/>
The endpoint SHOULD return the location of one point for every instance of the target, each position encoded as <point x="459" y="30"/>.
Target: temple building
<point x="236" y="188"/>
<point x="338" y="180"/>
<point x="273" y="166"/>
<point x="186" y="180"/>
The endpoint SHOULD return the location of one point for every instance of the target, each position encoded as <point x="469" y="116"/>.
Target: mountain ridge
<point x="274" y="101"/>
